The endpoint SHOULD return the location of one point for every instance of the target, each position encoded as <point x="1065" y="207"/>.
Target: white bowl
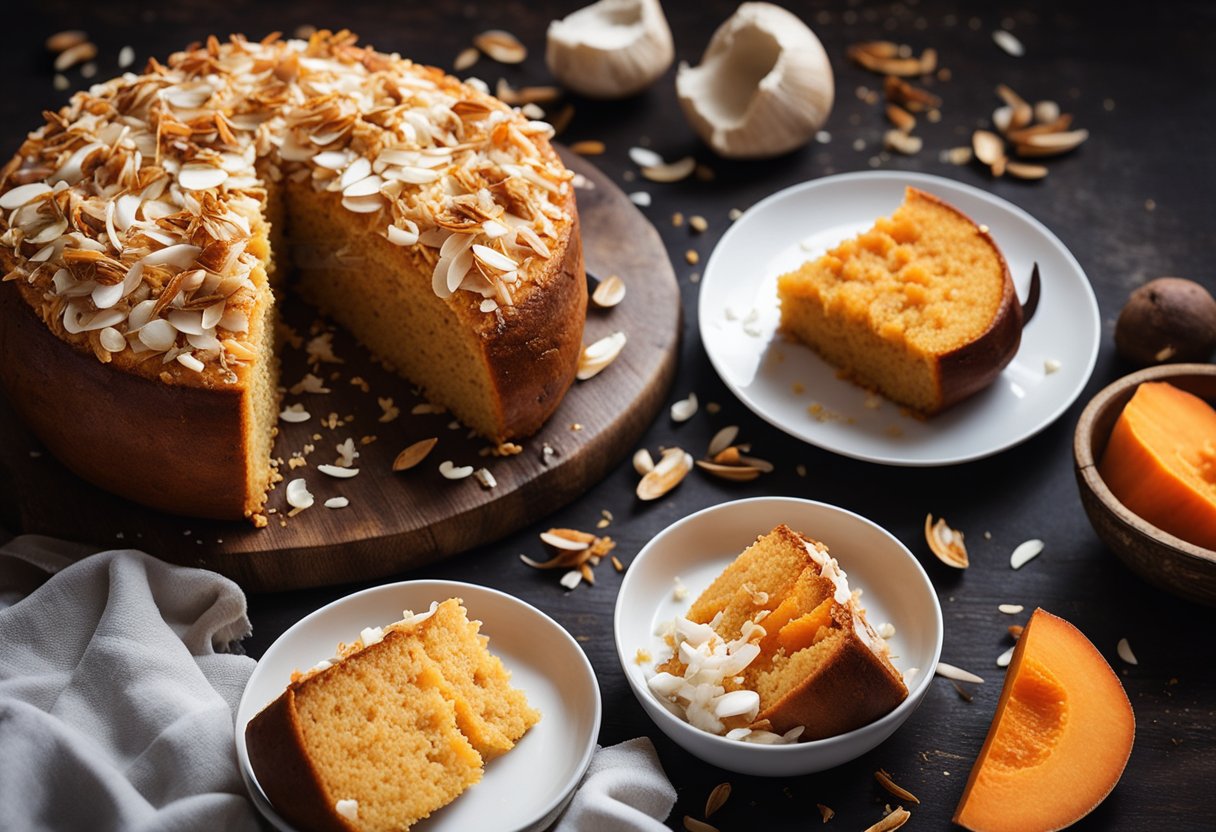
<point x="697" y="549"/>
<point x="524" y="789"/>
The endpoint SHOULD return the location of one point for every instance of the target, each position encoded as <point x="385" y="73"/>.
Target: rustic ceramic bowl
<point x="1160" y="558"/>
<point x="699" y="547"/>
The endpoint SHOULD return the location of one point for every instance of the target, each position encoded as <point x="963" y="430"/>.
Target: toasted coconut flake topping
<point x="149" y="189"/>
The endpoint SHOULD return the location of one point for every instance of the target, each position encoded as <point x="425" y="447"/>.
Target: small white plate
<point x="696" y="550"/>
<point x="739" y="314"/>
<point x="527" y="787"/>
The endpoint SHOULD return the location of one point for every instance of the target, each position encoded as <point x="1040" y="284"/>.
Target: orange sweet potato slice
<point x="1062" y="734"/>
<point x="1161" y="461"/>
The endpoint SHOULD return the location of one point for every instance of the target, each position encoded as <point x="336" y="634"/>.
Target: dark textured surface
<point x="1140" y="78"/>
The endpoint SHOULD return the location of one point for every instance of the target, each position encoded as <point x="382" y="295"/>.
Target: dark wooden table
<point x="1134" y="203"/>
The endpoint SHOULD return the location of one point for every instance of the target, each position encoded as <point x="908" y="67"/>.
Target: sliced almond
<point x="897" y="818"/>
<point x="736" y="473"/>
<point x="1009" y="43"/>
<point x="1015" y="631"/>
<point x="414" y="454"/>
<point x="884" y="780"/>
<point x="691" y="824"/>
<point x="1005" y="658"/>
<point x="61" y="41"/>
<point x="1024" y="171"/>
<point x="722" y="440"/>
<point x="562" y="560"/>
<point x="988" y="146"/>
<point x="1002" y="118"/>
<point x="826" y="812"/>
<point x="643" y="462"/>
<point x="609" y="293"/>
<point x="958" y="155"/>
<point x="466" y="59"/>
<point x="1125" y="652"/>
<point x="1052" y="144"/>
<point x="671" y="470"/>
<point x="589" y="147"/>
<point x="1046" y="111"/>
<point x="1021" y="113"/>
<point x="73" y="55"/>
<point x="761" y="465"/>
<point x="531" y="95"/>
<point x="599" y="355"/>
<point x="728" y="456"/>
<point x="671" y="171"/>
<point x="717" y="798"/>
<point x="501" y="46"/>
<point x="684" y="409"/>
<point x="1010" y="609"/>
<point x="957" y="674"/>
<point x="901" y="142"/>
<point x="901" y="118"/>
<point x="947" y="543"/>
<point x="572" y="579"/>
<point x="569" y="540"/>
<point x="1057" y="125"/>
<point x="1025" y="552"/>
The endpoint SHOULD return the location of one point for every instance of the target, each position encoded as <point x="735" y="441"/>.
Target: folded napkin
<point x="117" y="692"/>
<point x="625" y="790"/>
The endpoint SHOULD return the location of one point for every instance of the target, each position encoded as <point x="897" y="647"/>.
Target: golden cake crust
<point x="972" y="367"/>
<point x="284" y="771"/>
<point x="82" y="410"/>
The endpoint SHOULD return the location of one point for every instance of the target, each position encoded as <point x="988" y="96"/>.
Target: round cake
<point x="146" y="227"/>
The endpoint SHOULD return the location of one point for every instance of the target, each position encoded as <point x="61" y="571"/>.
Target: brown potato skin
<point x="1167" y="320"/>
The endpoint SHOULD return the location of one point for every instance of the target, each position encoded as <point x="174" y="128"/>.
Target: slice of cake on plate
<point x="778" y="648"/>
<point x="921" y="307"/>
<point x="396" y="726"/>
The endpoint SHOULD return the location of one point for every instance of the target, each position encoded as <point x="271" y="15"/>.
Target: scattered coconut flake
<point x="1005" y="658"/>
<point x="126" y="57"/>
<point x="501" y="46"/>
<point x="1051" y="365"/>
<point x="1009" y="42"/>
<point x="348" y="809"/>
<point x="338" y="471"/>
<point x="452" y="472"/>
<point x="1125" y="652"/>
<point x="484" y="477"/>
<point x="609" y="293"/>
<point x="1010" y="609"/>
<point x="957" y="674"/>
<point x="678" y="592"/>
<point x="597" y="356"/>
<point x="298" y="495"/>
<point x="347" y="453"/>
<point x="643" y="462"/>
<point x="639" y="198"/>
<point x="337" y="502"/>
<point x="309" y="384"/>
<point x="644" y="157"/>
<point x="885" y="630"/>
<point x="572" y="579"/>
<point x="295" y="413"/>
<point x="684" y="409"/>
<point x="1025" y="552"/>
<point x="426" y="407"/>
<point x="673" y="172"/>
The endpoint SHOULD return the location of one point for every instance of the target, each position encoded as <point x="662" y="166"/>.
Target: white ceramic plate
<point x="697" y="549"/>
<point x="739" y="315"/>
<point x="524" y="789"/>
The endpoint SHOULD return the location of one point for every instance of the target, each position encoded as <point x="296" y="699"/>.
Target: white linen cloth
<point x="118" y="695"/>
<point x="117" y="692"/>
<point x="625" y="790"/>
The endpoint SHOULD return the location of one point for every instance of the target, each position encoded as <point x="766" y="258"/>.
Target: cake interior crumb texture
<point x="887" y="305"/>
<point x="402" y="726"/>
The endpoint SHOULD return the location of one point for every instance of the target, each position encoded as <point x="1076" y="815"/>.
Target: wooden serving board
<point x="395" y="521"/>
